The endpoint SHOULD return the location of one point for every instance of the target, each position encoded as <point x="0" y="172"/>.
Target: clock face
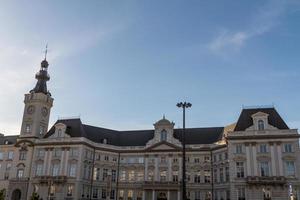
<point x="30" y="109"/>
<point x="44" y="111"/>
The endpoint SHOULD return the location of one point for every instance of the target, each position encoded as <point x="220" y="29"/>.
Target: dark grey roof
<point x="245" y="119"/>
<point x="75" y="128"/>
<point x="11" y="139"/>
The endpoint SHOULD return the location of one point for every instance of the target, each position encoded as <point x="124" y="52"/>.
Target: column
<point x="170" y="169"/>
<point x="45" y="163"/>
<point x="168" y="195"/>
<point x="156" y="174"/>
<point x="146" y="169"/>
<point x="248" y="159"/>
<point x="153" y="194"/>
<point x="279" y="154"/>
<point x="178" y="195"/>
<point x="62" y="161"/>
<point x="144" y="195"/>
<point x="67" y="152"/>
<point x="49" y="161"/>
<point x="254" y="153"/>
<point x="273" y="166"/>
<point x="180" y="169"/>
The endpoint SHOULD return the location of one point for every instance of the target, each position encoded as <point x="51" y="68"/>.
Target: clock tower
<point x="38" y="103"/>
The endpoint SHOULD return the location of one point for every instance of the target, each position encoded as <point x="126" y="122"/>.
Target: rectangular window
<point x="113" y="175"/>
<point x="288" y="148"/>
<point x="104" y="174"/>
<point x="1" y="155"/>
<point x="121" y="194"/>
<point x="20" y="173"/>
<point x="131" y="175"/>
<point x="57" y="152"/>
<point x="112" y="194"/>
<point x="130" y="195"/>
<point x="95" y="193"/>
<point x="39" y="169"/>
<point x="207" y="176"/>
<point x="240" y="170"/>
<point x="241" y="193"/>
<point x="263" y="148"/>
<point x="239" y="149"/>
<point x="72" y="170"/>
<point x="215" y="175"/>
<point x="70" y="190"/>
<point x="73" y="152"/>
<point x="197" y="195"/>
<point x="106" y="158"/>
<point x="150" y="175"/>
<point x="103" y="193"/>
<point x="220" y="157"/>
<point x="227" y="174"/>
<point x="140" y="176"/>
<point x="175" y="176"/>
<point x="197" y="160"/>
<point x="10" y="155"/>
<point x="197" y="177"/>
<point x="163" y="175"/>
<point x="55" y="169"/>
<point x="123" y="175"/>
<point x="8" y="166"/>
<point x="264" y="169"/>
<point x="40" y="153"/>
<point x="290" y="168"/>
<point x="206" y="158"/>
<point x="221" y="170"/>
<point x="22" y="155"/>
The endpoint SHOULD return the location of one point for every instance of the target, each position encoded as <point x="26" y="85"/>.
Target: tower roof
<point x="42" y="77"/>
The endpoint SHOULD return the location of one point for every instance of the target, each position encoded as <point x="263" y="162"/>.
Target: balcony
<point x="266" y="180"/>
<point x="52" y="179"/>
<point x="161" y="184"/>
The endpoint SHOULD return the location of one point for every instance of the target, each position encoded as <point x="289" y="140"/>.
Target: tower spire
<point x="46" y="51"/>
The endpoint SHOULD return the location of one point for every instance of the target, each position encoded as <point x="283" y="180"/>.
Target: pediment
<point x="259" y="114"/>
<point x="163" y="146"/>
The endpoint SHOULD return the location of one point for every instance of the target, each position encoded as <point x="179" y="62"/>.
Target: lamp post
<point x="183" y="105"/>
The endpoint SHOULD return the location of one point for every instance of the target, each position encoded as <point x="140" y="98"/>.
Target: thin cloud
<point x="262" y="22"/>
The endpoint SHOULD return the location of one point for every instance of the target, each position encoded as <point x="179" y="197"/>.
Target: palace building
<point x="256" y="158"/>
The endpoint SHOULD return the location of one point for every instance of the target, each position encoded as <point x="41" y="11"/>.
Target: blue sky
<point x="123" y="64"/>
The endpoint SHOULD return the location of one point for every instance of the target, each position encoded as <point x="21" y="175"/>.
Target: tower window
<point x="27" y="128"/>
<point x="42" y="130"/>
<point x="261" y="125"/>
<point x="163" y="135"/>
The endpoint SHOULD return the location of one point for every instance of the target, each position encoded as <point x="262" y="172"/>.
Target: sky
<point x="124" y="64"/>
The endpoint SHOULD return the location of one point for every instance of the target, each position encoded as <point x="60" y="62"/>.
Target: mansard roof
<point x="245" y="120"/>
<point x="75" y="128"/>
<point x="9" y="139"/>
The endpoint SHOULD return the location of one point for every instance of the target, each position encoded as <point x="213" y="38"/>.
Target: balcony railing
<point x="266" y="180"/>
<point x="52" y="179"/>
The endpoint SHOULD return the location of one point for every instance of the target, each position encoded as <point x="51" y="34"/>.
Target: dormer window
<point x="59" y="133"/>
<point x="261" y="125"/>
<point x="163" y="135"/>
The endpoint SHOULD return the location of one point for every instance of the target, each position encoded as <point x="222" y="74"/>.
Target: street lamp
<point x="183" y="105"/>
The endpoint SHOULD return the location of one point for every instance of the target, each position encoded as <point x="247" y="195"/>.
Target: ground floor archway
<point x="16" y="194"/>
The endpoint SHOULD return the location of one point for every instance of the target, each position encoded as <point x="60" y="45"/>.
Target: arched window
<point x="163" y="135"/>
<point x="261" y="125"/>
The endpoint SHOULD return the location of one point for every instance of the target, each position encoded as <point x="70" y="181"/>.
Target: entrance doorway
<point x="16" y="195"/>
<point x="162" y="196"/>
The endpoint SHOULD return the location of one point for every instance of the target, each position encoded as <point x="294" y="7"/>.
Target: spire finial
<point x="46" y="51"/>
<point x="164" y="117"/>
